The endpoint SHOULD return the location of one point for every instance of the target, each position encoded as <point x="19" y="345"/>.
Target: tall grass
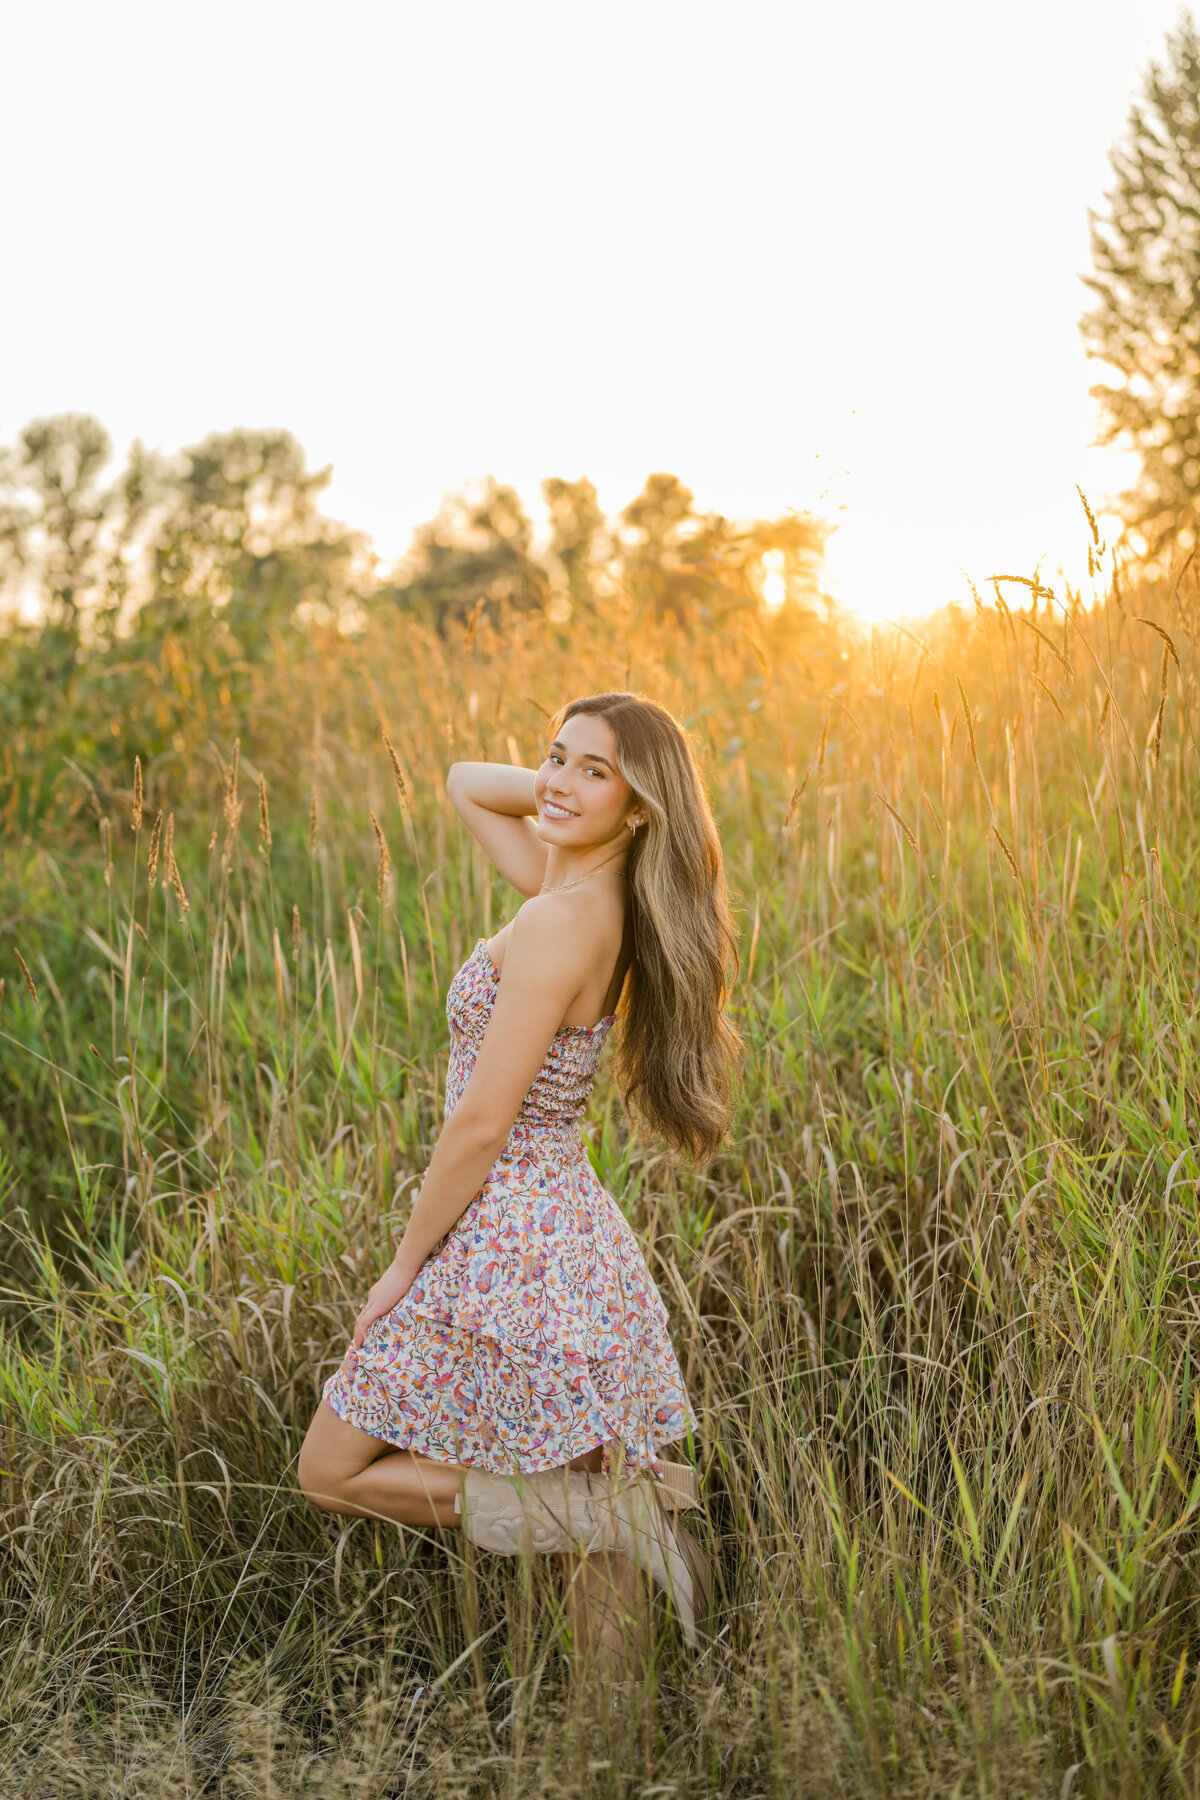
<point x="935" y="1302"/>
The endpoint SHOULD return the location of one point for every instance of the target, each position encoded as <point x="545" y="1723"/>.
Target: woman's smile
<point x="553" y="810"/>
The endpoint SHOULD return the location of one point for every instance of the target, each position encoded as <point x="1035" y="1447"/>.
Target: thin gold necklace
<point x="563" y="885"/>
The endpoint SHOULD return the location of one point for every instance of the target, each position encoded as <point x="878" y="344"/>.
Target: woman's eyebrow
<point x="557" y="745"/>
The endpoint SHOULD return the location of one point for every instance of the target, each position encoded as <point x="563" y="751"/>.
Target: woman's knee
<point x="313" y="1480"/>
<point x="318" y="1471"/>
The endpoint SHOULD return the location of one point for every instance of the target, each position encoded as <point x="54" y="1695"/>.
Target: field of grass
<point x="936" y="1301"/>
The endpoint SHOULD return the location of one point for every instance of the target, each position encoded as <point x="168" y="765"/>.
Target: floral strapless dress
<point x="534" y="1330"/>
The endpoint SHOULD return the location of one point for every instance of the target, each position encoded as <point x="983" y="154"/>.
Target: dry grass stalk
<point x="385" y="861"/>
<point x="900" y="822"/>
<point x="106" y="840"/>
<point x="1038" y="682"/>
<point x="264" y="816"/>
<point x="313" y="828"/>
<point x="232" y="806"/>
<point x="821" y="750"/>
<point x="1090" y="518"/>
<point x="355" y="954"/>
<point x="168" y="851"/>
<point x="1154" y="740"/>
<point x="295" y="934"/>
<point x="279" y="971"/>
<point x="401" y="784"/>
<point x="1030" y="581"/>
<point x="966" y="710"/>
<point x="1008" y="855"/>
<point x="29" y="981"/>
<point x="1002" y="604"/>
<point x="793" y="811"/>
<point x="137" y="793"/>
<point x="1049" y="643"/>
<point x="1166" y="637"/>
<point x="152" y="858"/>
<point x="177" y="883"/>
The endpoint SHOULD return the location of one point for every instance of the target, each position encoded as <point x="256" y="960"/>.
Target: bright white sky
<point x="798" y="254"/>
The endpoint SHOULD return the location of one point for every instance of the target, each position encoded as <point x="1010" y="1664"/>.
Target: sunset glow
<point x="479" y="253"/>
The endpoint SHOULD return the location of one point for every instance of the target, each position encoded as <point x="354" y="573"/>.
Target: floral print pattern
<point x="534" y="1330"/>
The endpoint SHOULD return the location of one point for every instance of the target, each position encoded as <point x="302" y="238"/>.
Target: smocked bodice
<point x="562" y="1086"/>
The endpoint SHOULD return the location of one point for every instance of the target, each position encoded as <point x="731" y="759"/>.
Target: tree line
<point x="225" y="545"/>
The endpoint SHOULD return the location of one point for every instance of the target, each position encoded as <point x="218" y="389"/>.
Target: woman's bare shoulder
<point x="580" y="933"/>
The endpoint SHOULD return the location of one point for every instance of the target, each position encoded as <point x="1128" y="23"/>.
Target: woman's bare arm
<point x="544" y="970"/>
<point x="495" y="802"/>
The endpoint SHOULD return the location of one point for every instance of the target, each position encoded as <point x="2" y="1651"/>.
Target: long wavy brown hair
<point x="675" y="1048"/>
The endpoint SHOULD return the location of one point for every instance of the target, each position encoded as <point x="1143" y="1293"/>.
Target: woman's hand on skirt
<point x="388" y="1291"/>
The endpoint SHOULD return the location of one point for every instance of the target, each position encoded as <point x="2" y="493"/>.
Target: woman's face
<point x="582" y="798"/>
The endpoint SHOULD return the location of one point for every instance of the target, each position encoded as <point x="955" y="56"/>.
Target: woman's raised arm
<point x="495" y="802"/>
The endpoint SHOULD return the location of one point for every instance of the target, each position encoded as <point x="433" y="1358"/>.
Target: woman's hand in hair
<point x="496" y="804"/>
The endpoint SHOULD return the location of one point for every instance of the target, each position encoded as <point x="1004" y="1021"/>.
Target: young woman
<point x="511" y="1371"/>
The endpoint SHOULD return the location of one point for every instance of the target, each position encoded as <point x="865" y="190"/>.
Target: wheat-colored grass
<point x="935" y="1301"/>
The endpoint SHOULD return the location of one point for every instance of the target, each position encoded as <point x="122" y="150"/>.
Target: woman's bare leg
<point x="346" y="1470"/>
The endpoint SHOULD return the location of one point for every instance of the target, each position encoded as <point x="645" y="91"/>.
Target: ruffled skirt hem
<point x="471" y="1399"/>
<point x="408" y="1438"/>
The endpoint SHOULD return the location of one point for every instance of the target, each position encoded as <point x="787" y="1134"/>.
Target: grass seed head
<point x="231" y="808"/>
<point x="401" y="784"/>
<point x="979" y="606"/>
<point x="385" y="861"/>
<point x="264" y="816"/>
<point x="1009" y="858"/>
<point x="1167" y="639"/>
<point x="905" y="828"/>
<point x="168" y="850"/>
<point x="155" y="839"/>
<point x="967" y="716"/>
<point x="1038" y="682"/>
<point x="29" y="981"/>
<point x="137" y="793"/>
<point x="177" y="884"/>
<point x="295" y="934"/>
<point x="789" y="823"/>
<point x="1090" y="519"/>
<point x="1154" y="741"/>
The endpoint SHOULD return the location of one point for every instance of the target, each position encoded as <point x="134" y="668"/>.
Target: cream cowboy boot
<point x="570" y="1509"/>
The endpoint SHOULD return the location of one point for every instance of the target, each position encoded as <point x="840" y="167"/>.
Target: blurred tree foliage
<point x="1146" y="325"/>
<point x="135" y="607"/>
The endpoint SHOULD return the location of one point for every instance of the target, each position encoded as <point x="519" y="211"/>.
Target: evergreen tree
<point x="1146" y="326"/>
